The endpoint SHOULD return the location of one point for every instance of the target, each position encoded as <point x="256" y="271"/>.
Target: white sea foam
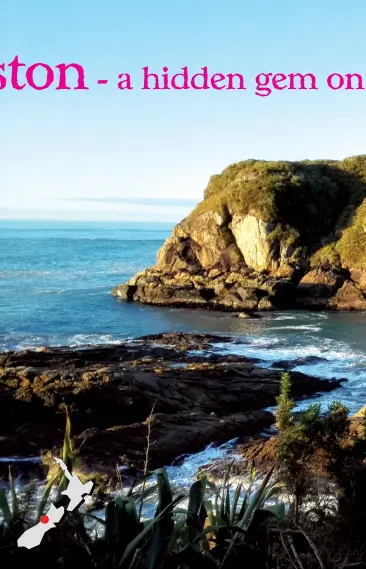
<point x="92" y="340"/>
<point x="342" y="361"/>
<point x="187" y="465"/>
<point x="310" y="327"/>
<point x="183" y="471"/>
<point x="78" y="340"/>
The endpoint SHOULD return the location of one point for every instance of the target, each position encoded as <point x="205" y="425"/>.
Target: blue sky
<point x="111" y="154"/>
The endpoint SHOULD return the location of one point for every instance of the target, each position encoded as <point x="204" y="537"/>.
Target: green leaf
<point x="256" y="500"/>
<point x="224" y="494"/>
<point x="210" y="513"/>
<point x="165" y="495"/>
<point x="227" y="505"/>
<point x="14" y="497"/>
<point x="141" y="496"/>
<point x="121" y="522"/>
<point x="196" y="496"/>
<point x="146" y="477"/>
<point x="196" y="511"/>
<point x="207" y="530"/>
<point x="248" y="492"/>
<point x="210" y="558"/>
<point x="4" y="507"/>
<point x="178" y="528"/>
<point x="162" y="530"/>
<point x="67" y="455"/>
<point x="235" y="502"/>
<point x="212" y="487"/>
<point x="45" y="496"/>
<point x="277" y="510"/>
<point x="139" y="539"/>
<point x="272" y="491"/>
<point x="67" y="450"/>
<point x="221" y="523"/>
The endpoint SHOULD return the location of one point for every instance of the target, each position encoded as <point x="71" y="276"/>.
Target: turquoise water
<point x="56" y="279"/>
<point x="55" y="285"/>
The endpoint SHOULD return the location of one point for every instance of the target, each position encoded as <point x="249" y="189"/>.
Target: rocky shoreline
<point x="267" y="235"/>
<point x="246" y="290"/>
<point x="198" y="396"/>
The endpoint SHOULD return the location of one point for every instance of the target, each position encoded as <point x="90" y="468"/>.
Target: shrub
<point x="285" y="404"/>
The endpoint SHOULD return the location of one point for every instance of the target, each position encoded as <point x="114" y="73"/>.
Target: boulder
<point x="316" y="288"/>
<point x="290" y="364"/>
<point x="358" y="276"/>
<point x="348" y="297"/>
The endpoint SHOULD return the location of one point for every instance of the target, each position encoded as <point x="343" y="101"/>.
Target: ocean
<point x="56" y="280"/>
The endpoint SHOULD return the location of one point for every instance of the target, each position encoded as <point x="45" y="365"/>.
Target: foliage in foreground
<point x="321" y="477"/>
<point x="216" y="523"/>
<point x="322" y="462"/>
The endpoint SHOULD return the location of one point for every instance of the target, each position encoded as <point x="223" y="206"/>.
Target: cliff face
<point x="267" y="235"/>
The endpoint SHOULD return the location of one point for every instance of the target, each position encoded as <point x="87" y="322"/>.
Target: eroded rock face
<point x="348" y="297"/>
<point x="198" y="245"/>
<point x="251" y="236"/>
<point x="111" y="390"/>
<point x="317" y="287"/>
<point x="250" y="245"/>
<point x="214" y="263"/>
<point x="358" y="276"/>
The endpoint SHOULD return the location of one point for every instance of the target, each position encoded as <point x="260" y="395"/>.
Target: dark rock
<point x="319" y="284"/>
<point x="171" y="435"/>
<point x="317" y="287"/>
<point x="348" y="297"/>
<point x="111" y="390"/>
<point x="290" y="364"/>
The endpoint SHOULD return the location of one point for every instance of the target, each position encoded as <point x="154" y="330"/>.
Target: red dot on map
<point x="44" y="519"/>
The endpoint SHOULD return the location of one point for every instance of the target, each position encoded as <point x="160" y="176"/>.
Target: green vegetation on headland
<point x="307" y="200"/>
<point x="307" y="511"/>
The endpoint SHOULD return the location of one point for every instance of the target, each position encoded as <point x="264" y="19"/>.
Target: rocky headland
<point x="198" y="396"/>
<point x="267" y="235"/>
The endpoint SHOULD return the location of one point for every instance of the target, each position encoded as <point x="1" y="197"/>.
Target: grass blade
<point x="45" y="496"/>
<point x="210" y="513"/>
<point x="162" y="530"/>
<point x="4" y="507"/>
<point x="235" y="503"/>
<point x="256" y="500"/>
<point x="196" y="496"/>
<point x="135" y="543"/>
<point x="14" y="497"/>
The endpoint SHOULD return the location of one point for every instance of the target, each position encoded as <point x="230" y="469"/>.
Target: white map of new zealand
<point x="75" y="491"/>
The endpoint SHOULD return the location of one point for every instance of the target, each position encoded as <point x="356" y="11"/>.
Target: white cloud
<point x="93" y="211"/>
